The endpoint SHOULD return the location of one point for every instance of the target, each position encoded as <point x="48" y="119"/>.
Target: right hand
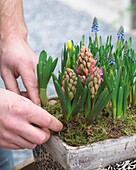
<point x="18" y="115"/>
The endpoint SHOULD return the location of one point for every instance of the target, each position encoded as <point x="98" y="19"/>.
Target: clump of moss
<point x="77" y="132"/>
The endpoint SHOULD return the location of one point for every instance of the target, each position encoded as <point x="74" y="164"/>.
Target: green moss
<point x="76" y="132"/>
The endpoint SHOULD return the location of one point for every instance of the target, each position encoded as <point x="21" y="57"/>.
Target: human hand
<point x="18" y="115"/>
<point x="18" y="59"/>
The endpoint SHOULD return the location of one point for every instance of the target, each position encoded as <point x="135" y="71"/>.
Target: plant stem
<point x="134" y="96"/>
<point x="43" y="97"/>
<point x="96" y="39"/>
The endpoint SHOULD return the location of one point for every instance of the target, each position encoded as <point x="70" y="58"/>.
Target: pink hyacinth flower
<point x="83" y="78"/>
<point x="101" y="73"/>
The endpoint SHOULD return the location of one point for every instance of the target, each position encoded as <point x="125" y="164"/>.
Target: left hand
<point x="18" y="59"/>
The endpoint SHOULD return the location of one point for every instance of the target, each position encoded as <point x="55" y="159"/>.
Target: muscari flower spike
<point x="112" y="62"/>
<point x="95" y="27"/>
<point x="120" y="33"/>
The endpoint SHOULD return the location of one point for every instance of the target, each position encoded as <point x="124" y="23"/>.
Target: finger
<point x="43" y="119"/>
<point x="30" y="83"/>
<point x="46" y="130"/>
<point x="16" y="139"/>
<point x="22" y="143"/>
<point x="34" y="135"/>
<point x="24" y="94"/>
<point x="12" y="146"/>
<point x="8" y="145"/>
<point x="10" y="82"/>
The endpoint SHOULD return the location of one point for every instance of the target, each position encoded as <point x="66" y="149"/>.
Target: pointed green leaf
<point x="53" y="66"/>
<point x="119" y="102"/>
<point x="60" y="94"/>
<point x="43" y="57"/>
<point x="81" y="101"/>
<point x="78" y="93"/>
<point x="100" y="104"/>
<point x="88" y="104"/>
<point x="69" y="110"/>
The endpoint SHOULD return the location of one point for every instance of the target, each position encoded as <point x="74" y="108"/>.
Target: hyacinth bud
<point x="85" y="62"/>
<point x="69" y="45"/>
<point x="71" y="78"/>
<point x="95" y="81"/>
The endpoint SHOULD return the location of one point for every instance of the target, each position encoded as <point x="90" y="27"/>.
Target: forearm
<point x="16" y="57"/>
<point x="12" y="23"/>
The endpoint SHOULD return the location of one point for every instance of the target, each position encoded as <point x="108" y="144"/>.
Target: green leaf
<point x="69" y="110"/>
<point x="54" y="63"/>
<point x="106" y="79"/>
<point x="87" y="80"/>
<point x="68" y="62"/>
<point x="43" y="97"/>
<point x="88" y="104"/>
<point x="60" y="94"/>
<point x="107" y="41"/>
<point x="82" y="41"/>
<point x="60" y="78"/>
<point x="76" y="52"/>
<point x="129" y="42"/>
<point x="81" y="101"/>
<point x="100" y="100"/>
<point x="54" y="77"/>
<point x="125" y="99"/>
<point x="105" y="101"/>
<point x="64" y="56"/>
<point x="38" y="77"/>
<point x="119" y="102"/>
<point x="100" y="104"/>
<point x="114" y="98"/>
<point x="78" y="92"/>
<point x="43" y="57"/>
<point x="47" y="71"/>
<point x="101" y="88"/>
<point x="100" y="41"/>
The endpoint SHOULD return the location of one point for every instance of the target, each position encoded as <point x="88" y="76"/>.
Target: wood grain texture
<point x="26" y="165"/>
<point x="92" y="156"/>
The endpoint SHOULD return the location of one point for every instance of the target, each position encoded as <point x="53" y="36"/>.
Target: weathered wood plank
<point x="26" y="165"/>
<point x="92" y="156"/>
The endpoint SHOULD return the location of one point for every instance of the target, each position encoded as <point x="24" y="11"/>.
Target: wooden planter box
<point x="57" y="155"/>
<point x="29" y="164"/>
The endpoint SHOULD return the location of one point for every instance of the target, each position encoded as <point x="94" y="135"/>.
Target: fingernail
<point x="61" y="126"/>
<point x="39" y="104"/>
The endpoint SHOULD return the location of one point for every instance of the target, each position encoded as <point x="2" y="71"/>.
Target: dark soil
<point x="77" y="132"/>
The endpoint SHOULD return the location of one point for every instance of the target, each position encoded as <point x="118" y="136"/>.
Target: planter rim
<point x="92" y="144"/>
<point x="88" y="156"/>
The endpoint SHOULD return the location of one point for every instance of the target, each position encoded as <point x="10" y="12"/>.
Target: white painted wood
<point x="92" y="156"/>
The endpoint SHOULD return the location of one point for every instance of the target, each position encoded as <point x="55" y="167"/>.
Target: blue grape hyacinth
<point x="112" y="62"/>
<point x="95" y="27"/>
<point x="120" y="33"/>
